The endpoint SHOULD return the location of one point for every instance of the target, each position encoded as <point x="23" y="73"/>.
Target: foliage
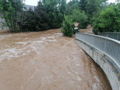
<point x="80" y="17"/>
<point x="73" y="4"/>
<point x="36" y="20"/>
<point x="67" y="27"/>
<point x="90" y="7"/>
<point x="55" y="10"/>
<point x="49" y="14"/>
<point x="11" y="12"/>
<point x="108" y="20"/>
<point x="83" y="5"/>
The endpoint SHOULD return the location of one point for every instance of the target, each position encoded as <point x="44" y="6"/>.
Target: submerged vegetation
<point x="49" y="14"/>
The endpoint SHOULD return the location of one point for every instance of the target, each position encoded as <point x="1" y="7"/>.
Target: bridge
<point x="105" y="52"/>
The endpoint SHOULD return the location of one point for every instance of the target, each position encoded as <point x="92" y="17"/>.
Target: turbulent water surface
<point x="46" y="61"/>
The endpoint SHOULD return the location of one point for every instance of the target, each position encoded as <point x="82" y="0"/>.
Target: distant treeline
<point x="50" y="14"/>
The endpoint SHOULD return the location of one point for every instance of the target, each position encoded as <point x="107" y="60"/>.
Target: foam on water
<point x="28" y="46"/>
<point x="4" y="36"/>
<point x="96" y="85"/>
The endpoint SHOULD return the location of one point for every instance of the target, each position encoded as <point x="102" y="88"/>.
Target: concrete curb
<point x="111" y="70"/>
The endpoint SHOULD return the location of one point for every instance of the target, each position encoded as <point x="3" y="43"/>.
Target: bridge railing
<point x="114" y="35"/>
<point x="106" y="45"/>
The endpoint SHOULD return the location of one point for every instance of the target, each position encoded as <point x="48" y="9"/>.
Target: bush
<point x="68" y="27"/>
<point x="36" y="20"/>
<point x="80" y="17"/>
<point x="45" y="15"/>
<point x="108" y="20"/>
<point x="10" y="12"/>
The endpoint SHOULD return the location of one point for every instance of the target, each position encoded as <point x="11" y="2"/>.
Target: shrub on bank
<point x="67" y="27"/>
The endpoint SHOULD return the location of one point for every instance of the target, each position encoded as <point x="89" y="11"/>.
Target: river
<point x="46" y="61"/>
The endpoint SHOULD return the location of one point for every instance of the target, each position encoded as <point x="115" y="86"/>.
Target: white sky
<point x="34" y="2"/>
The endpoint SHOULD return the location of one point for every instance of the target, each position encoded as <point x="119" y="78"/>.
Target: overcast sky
<point x="34" y="2"/>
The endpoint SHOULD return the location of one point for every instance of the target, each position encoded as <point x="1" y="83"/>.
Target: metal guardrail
<point x="114" y="35"/>
<point x="106" y="45"/>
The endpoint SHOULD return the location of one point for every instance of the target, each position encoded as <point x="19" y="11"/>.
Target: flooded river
<point x="46" y="61"/>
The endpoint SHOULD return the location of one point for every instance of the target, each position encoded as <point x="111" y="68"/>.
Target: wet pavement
<point x="46" y="61"/>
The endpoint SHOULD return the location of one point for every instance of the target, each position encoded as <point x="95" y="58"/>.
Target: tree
<point x="11" y="12"/>
<point x="35" y="20"/>
<point x="55" y="10"/>
<point x="108" y="20"/>
<point x="83" y="5"/>
<point x="90" y="7"/>
<point x="80" y="17"/>
<point x="67" y="27"/>
<point x="62" y="6"/>
<point x="73" y="4"/>
<point x="46" y="15"/>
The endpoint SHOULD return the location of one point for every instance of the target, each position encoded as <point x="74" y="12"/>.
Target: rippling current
<point x="46" y="61"/>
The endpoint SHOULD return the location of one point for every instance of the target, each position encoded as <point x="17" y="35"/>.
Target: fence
<point x="106" y="45"/>
<point x="114" y="35"/>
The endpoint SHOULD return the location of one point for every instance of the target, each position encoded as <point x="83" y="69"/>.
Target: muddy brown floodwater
<point x="46" y="61"/>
